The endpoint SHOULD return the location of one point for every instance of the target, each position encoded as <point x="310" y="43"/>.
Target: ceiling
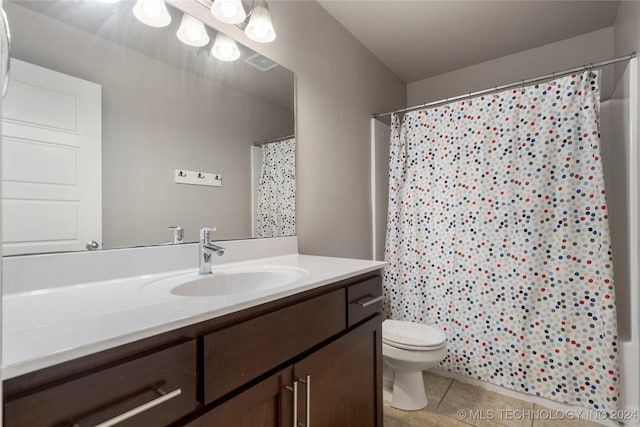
<point x="418" y="39"/>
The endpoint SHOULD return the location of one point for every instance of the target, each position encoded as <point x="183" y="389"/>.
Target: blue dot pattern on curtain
<point x="498" y="235"/>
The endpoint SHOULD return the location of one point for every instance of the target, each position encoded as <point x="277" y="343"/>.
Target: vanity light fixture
<point x="192" y="32"/>
<point x="228" y="11"/>
<point x="225" y="48"/>
<point x="260" y="26"/>
<point x="152" y="12"/>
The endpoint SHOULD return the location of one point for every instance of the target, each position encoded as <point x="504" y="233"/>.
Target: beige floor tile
<point x="396" y="418"/>
<point x="457" y="404"/>
<point x="545" y="417"/>
<point x="483" y="408"/>
<point x="402" y="417"/>
<point x="390" y="420"/>
<point x="435" y="386"/>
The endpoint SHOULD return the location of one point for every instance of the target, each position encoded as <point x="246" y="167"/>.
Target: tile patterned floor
<point x="456" y="404"/>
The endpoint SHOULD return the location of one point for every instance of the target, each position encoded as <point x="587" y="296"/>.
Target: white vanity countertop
<point x="45" y="327"/>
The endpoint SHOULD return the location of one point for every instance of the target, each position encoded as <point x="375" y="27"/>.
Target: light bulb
<point x="192" y="32"/>
<point x="152" y="12"/>
<point x="228" y="11"/>
<point x="260" y="27"/>
<point x="225" y="49"/>
<point x="261" y="31"/>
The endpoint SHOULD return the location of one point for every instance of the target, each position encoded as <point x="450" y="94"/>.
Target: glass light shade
<point x="260" y="27"/>
<point x="225" y="49"/>
<point x="192" y="32"/>
<point x="153" y="13"/>
<point x="228" y="11"/>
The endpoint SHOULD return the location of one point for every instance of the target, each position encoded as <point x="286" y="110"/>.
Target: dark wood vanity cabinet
<point x="309" y="359"/>
<point x="336" y="385"/>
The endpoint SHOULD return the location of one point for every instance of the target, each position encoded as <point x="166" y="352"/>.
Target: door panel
<point x="51" y="163"/>
<point x="345" y="380"/>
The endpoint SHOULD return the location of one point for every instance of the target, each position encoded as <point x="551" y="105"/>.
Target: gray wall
<point x="157" y="118"/>
<point x="340" y="84"/>
<point x="569" y="53"/>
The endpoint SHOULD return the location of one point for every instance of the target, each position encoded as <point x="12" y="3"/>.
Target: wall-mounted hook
<point x="183" y="176"/>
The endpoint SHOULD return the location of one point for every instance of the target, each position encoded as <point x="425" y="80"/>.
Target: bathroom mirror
<point x="162" y="112"/>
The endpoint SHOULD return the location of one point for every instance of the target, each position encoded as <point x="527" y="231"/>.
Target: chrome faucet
<point x="207" y="248"/>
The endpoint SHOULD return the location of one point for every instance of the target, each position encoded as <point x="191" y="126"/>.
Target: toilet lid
<point x="410" y="335"/>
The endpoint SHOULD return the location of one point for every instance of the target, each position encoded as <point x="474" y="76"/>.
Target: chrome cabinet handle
<point x="138" y="410"/>
<point x="6" y="54"/>
<point x="307" y="416"/>
<point x="368" y="300"/>
<point x="294" y="390"/>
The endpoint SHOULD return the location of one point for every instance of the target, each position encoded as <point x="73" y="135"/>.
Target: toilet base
<point x="404" y="390"/>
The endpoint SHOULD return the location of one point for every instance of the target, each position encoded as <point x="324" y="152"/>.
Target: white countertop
<point x="45" y="327"/>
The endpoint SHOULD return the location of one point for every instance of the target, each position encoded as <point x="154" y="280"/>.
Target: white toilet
<point x="408" y="349"/>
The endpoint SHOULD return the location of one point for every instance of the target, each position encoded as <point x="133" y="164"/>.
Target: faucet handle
<point x="178" y="233"/>
<point x="206" y="233"/>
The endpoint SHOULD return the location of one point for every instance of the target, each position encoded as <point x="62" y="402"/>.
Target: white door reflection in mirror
<point x="51" y="162"/>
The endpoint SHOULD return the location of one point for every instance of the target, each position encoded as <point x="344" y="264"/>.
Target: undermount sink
<point x="229" y="281"/>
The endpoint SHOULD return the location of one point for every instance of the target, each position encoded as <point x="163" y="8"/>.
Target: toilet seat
<point x="413" y="347"/>
<point x="412" y="336"/>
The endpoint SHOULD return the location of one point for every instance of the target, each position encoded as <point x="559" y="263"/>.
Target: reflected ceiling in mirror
<point x="104" y="108"/>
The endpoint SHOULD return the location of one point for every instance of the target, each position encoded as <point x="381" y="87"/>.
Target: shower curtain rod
<point x="270" y="141"/>
<point x="511" y="85"/>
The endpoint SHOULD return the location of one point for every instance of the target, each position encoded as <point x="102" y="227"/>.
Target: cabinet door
<point x="266" y="404"/>
<point x="343" y="380"/>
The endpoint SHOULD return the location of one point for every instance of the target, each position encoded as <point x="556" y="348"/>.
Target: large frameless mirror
<point x="115" y="131"/>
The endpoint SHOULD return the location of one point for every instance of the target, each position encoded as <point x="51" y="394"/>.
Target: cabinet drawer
<point x="238" y="354"/>
<point x="162" y="383"/>
<point x="364" y="299"/>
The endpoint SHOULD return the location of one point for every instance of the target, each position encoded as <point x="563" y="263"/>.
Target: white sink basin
<point x="228" y="281"/>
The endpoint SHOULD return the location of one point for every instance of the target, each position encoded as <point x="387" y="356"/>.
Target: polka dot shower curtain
<point x="497" y="234"/>
<point x="276" y="207"/>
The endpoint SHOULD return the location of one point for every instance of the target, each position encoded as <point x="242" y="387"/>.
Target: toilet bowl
<point x="408" y="349"/>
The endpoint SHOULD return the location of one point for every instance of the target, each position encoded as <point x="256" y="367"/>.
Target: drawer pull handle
<point x="138" y="410"/>
<point x="294" y="390"/>
<point x="307" y="418"/>
<point x="368" y="300"/>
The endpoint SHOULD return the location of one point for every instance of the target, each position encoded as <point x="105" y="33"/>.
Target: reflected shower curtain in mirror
<point x="497" y="234"/>
<point x="276" y="206"/>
